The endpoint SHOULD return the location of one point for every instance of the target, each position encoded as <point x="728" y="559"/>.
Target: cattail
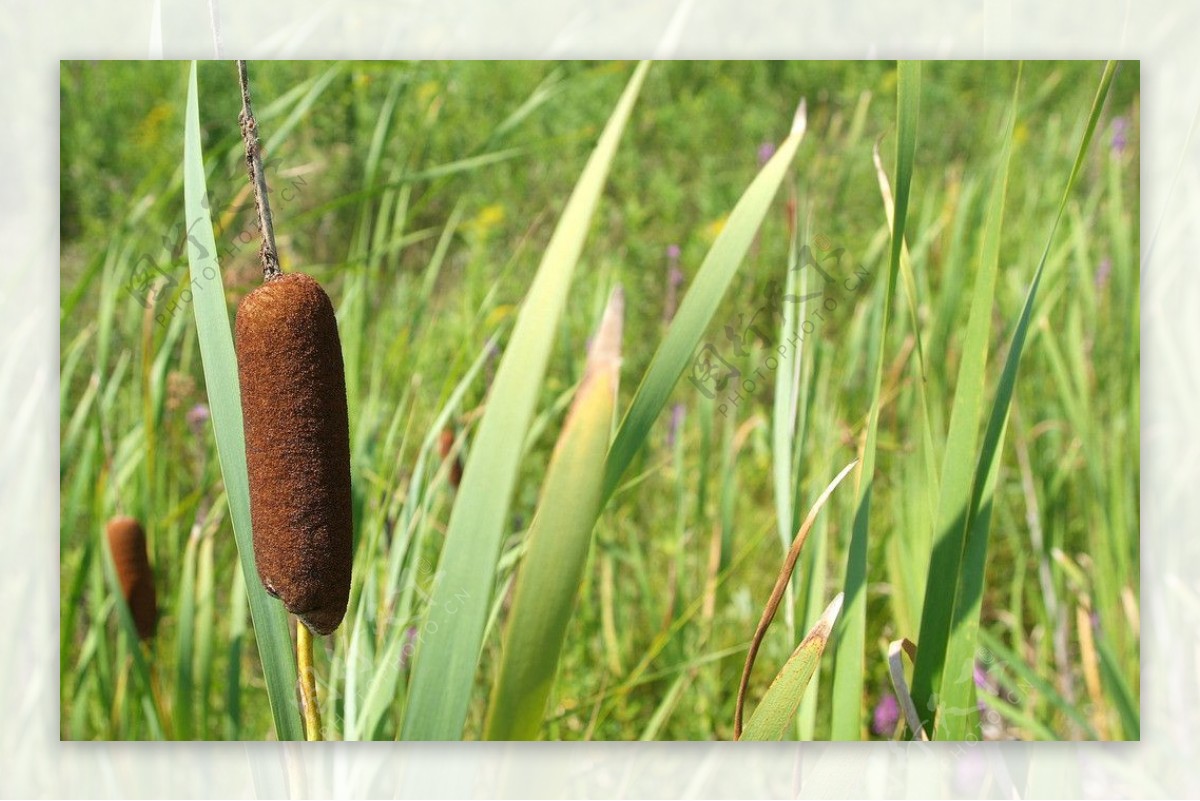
<point x="445" y="445"/>
<point x="127" y="542"/>
<point x="297" y="447"/>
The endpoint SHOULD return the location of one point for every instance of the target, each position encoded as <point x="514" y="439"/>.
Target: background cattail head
<point x="127" y="543"/>
<point x="445" y="445"/>
<point x="293" y="389"/>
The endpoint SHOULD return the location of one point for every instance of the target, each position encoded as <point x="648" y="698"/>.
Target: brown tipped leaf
<point x="293" y="391"/>
<point x="127" y="542"/>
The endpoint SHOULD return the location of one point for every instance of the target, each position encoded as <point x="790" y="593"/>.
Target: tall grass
<point x="424" y="196"/>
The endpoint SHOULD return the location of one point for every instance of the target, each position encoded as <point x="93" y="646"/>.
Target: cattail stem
<point x="308" y="683"/>
<point x="267" y="253"/>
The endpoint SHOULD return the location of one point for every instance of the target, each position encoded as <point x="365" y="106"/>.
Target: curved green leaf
<point x="774" y="713"/>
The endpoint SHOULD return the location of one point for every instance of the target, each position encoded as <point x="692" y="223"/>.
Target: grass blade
<point x="962" y="439"/>
<point x="900" y="686"/>
<point x="558" y="543"/>
<point x="849" y="668"/>
<point x="225" y="404"/>
<point x="698" y="307"/>
<point x="774" y="713"/>
<point x="444" y="666"/>
<point x="965" y="626"/>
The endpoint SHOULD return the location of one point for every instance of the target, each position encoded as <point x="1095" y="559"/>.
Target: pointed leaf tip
<point x="800" y="121"/>
<point x="829" y="616"/>
<point x="606" y="346"/>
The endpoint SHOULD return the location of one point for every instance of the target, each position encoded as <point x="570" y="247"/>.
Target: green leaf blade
<point x="968" y="602"/>
<point x="225" y="404"/>
<point x="448" y="645"/>
<point x="956" y="482"/>
<point x="775" y="711"/>
<point x="850" y="657"/>
<point x="559" y="539"/>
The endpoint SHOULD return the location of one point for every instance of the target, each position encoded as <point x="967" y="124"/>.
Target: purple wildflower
<point x="674" y="281"/>
<point x="1120" y="136"/>
<point x="410" y="645"/>
<point x="886" y="716"/>
<point x="197" y="416"/>
<point x="1103" y="270"/>
<point x="981" y="676"/>
<point x="677" y="413"/>
<point x="765" y="151"/>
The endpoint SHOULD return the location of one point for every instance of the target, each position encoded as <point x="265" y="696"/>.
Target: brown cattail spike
<point x="445" y="446"/>
<point x="127" y="542"/>
<point x="293" y="390"/>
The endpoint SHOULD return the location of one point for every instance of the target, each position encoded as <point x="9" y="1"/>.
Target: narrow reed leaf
<point x="950" y="526"/>
<point x="444" y="665"/>
<point x="785" y="408"/>
<point x="185" y="640"/>
<point x="1118" y="689"/>
<point x="775" y="711"/>
<point x="225" y="404"/>
<point x="777" y="593"/>
<point x="559" y="538"/>
<point x="928" y="451"/>
<point x="698" y="307"/>
<point x="896" y="651"/>
<point x="849" y="672"/>
<point x="968" y="601"/>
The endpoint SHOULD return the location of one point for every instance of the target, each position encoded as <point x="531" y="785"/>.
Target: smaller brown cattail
<point x="446" y="444"/>
<point x="127" y="542"/>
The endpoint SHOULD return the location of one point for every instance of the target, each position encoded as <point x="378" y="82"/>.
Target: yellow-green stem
<point x="308" y="683"/>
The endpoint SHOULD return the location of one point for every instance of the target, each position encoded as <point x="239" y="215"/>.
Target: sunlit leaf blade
<point x="778" y="706"/>
<point x="225" y="404"/>
<point x="446" y="659"/>
<point x="962" y="442"/>
<point x="849" y="665"/>
<point x="558" y="540"/>
<point x="698" y="307"/>
<point x="967" y="604"/>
